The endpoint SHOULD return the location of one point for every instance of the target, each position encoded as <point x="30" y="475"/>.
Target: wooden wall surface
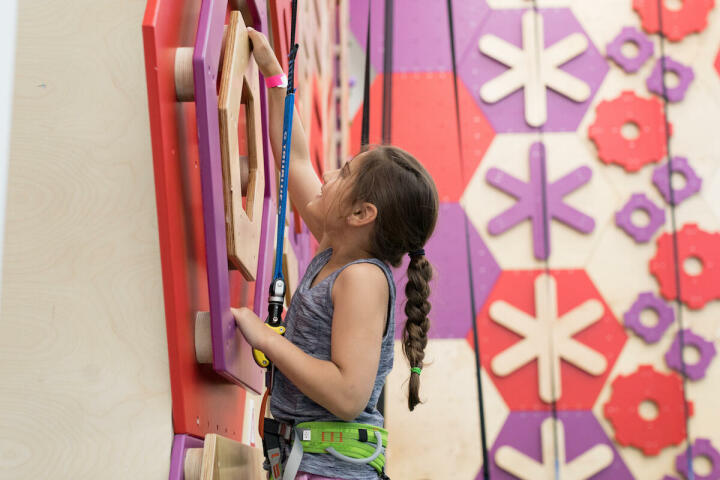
<point x="84" y="384"/>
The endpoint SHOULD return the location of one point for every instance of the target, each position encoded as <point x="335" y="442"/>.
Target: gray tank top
<point x="309" y="326"/>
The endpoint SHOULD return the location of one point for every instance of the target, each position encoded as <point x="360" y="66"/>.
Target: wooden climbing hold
<point x="239" y="96"/>
<point x="648" y="385"/>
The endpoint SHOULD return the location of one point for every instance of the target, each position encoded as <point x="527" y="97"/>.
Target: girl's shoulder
<point x="364" y="276"/>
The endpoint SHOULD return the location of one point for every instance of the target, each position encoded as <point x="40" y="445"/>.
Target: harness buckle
<point x="272" y="432"/>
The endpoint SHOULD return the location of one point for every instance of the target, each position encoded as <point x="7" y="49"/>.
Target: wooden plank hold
<point x="192" y="467"/>
<point x="223" y="458"/>
<point x="217" y="458"/>
<point x="239" y="87"/>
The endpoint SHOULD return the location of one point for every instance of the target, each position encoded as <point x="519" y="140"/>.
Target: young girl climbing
<point x="338" y="348"/>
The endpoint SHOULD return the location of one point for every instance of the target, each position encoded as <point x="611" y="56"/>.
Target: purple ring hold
<point x="661" y="179"/>
<point x="644" y="45"/>
<point x="639" y="201"/>
<point x="684" y="73"/>
<point x="706" y="348"/>
<point x="665" y="313"/>
<point x="701" y="447"/>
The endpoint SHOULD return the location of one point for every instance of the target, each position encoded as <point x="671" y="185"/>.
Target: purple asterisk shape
<point x="540" y="201"/>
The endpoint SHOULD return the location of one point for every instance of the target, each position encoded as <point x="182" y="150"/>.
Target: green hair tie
<point x="416" y="370"/>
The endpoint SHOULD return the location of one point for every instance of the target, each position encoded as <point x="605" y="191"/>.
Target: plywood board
<point x="225" y="459"/>
<point x="448" y="390"/>
<point x="83" y="348"/>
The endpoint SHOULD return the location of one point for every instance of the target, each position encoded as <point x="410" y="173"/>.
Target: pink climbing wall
<point x="588" y="345"/>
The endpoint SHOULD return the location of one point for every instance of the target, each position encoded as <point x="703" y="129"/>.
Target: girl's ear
<point x="362" y="214"/>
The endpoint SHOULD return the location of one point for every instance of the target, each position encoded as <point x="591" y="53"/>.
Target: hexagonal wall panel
<point x="450" y="409"/>
<point x="548" y="337"/>
<point x="513" y="98"/>
<point x="527" y="442"/>
<point x="565" y="158"/>
<point x="423" y="123"/>
<point x="447" y="251"/>
<point x="421" y="34"/>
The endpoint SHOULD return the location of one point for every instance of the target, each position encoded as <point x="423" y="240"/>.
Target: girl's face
<point x="330" y="204"/>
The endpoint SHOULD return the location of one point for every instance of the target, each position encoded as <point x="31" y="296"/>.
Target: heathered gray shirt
<point x="309" y="326"/>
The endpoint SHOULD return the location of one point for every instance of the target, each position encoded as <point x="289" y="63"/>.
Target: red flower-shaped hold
<point x="676" y="24"/>
<point x="696" y="288"/>
<point x="648" y="385"/>
<point x="646" y="114"/>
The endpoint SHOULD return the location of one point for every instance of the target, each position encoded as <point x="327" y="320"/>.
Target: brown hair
<point x="406" y="199"/>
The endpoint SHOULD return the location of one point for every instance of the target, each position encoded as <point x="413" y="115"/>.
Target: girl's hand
<point x="254" y="329"/>
<point x="263" y="53"/>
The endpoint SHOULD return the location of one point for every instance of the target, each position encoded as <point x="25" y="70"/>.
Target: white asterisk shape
<point x="547" y="337"/>
<point x="581" y="467"/>
<point x="534" y="67"/>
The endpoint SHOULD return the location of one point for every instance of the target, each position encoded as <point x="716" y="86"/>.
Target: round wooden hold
<point x="184" y="83"/>
<point x="203" y="338"/>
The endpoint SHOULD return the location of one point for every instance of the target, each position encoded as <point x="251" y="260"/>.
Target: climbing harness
<point x="351" y="442"/>
<point x="483" y="435"/>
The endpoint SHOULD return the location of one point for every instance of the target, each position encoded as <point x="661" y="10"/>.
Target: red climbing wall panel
<point x="423" y="105"/>
<point x="202" y="401"/>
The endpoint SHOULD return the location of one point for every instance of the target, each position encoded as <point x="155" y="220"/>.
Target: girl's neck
<point x="345" y="251"/>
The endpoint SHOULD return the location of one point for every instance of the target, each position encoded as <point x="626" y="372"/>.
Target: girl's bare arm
<point x="303" y="183"/>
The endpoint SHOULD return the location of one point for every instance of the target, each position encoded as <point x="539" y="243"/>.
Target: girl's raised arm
<point x="303" y="183"/>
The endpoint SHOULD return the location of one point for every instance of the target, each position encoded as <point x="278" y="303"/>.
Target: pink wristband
<point x="276" y="81"/>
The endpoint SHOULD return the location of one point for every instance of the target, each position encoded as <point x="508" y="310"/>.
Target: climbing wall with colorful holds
<point x="216" y="192"/>
<point x="587" y="170"/>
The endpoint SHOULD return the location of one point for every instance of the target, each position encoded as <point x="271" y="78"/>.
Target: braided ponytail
<point x="417" y="307"/>
<point x="406" y="218"/>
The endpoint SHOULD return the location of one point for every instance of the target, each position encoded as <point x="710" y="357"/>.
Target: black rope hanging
<point x="387" y="73"/>
<point x="365" y="128"/>
<point x="483" y="432"/>
<point x="676" y="255"/>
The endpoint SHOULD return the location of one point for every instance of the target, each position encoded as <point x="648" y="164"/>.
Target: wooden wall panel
<point x="83" y="353"/>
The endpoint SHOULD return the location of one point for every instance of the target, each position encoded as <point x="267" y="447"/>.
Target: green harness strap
<point x="345" y="438"/>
